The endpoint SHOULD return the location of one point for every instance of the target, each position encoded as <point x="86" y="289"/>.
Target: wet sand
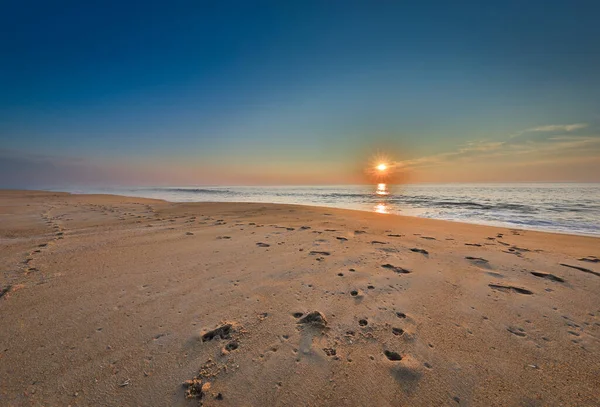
<point x="108" y="300"/>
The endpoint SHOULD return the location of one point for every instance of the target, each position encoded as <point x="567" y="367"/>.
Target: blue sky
<point x="298" y="92"/>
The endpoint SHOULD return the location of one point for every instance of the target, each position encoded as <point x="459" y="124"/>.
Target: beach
<point x="122" y="301"/>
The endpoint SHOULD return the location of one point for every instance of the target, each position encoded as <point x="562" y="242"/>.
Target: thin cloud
<point x="561" y="127"/>
<point x="469" y="150"/>
<point x="551" y="128"/>
<point x="511" y="151"/>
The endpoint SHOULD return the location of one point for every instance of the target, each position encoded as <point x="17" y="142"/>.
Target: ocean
<point x="564" y="208"/>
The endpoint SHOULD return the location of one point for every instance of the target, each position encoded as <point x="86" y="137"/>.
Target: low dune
<point x="116" y="301"/>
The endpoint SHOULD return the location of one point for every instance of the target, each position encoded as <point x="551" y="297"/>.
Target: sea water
<point x="565" y="208"/>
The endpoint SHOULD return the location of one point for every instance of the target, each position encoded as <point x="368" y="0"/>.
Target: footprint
<point x="508" y="288"/>
<point x="548" y="276"/>
<point x="4" y="290"/>
<point x="516" y="331"/>
<point x="223" y="332"/>
<point x="473" y="244"/>
<point x="231" y="346"/>
<point x="396" y="269"/>
<point x="321" y="253"/>
<point x="377" y="242"/>
<point x="359" y="232"/>
<point x="479" y="261"/>
<point x="356" y="293"/>
<point x="394" y="235"/>
<point x="391" y="355"/>
<point x="423" y="251"/>
<point x="428" y="238"/>
<point x="261" y="244"/>
<point x="314" y="318"/>
<point x="590" y="259"/>
<point x="581" y="269"/>
<point x="343" y="239"/>
<point x="397" y="331"/>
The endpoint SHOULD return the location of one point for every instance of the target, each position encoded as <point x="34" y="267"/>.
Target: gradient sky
<point x="299" y="92"/>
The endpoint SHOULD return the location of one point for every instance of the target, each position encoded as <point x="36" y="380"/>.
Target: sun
<point x="380" y="168"/>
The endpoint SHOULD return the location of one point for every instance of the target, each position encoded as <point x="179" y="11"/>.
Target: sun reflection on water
<point x="381" y="208"/>
<point x="382" y="189"/>
<point x="382" y="193"/>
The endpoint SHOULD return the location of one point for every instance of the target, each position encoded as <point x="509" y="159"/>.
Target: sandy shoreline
<point x="105" y="301"/>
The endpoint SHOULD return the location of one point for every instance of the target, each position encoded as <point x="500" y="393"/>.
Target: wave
<point x="421" y="201"/>
<point x="574" y="209"/>
<point x="430" y="203"/>
<point x="195" y="190"/>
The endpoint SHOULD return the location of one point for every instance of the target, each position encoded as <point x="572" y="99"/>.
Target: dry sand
<point x="109" y="301"/>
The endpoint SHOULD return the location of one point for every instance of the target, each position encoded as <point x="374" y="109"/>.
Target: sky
<point x="110" y="93"/>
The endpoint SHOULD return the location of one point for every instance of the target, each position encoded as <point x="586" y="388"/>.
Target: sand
<point x="114" y="301"/>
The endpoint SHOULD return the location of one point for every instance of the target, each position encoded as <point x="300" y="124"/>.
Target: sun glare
<point x="382" y="167"/>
